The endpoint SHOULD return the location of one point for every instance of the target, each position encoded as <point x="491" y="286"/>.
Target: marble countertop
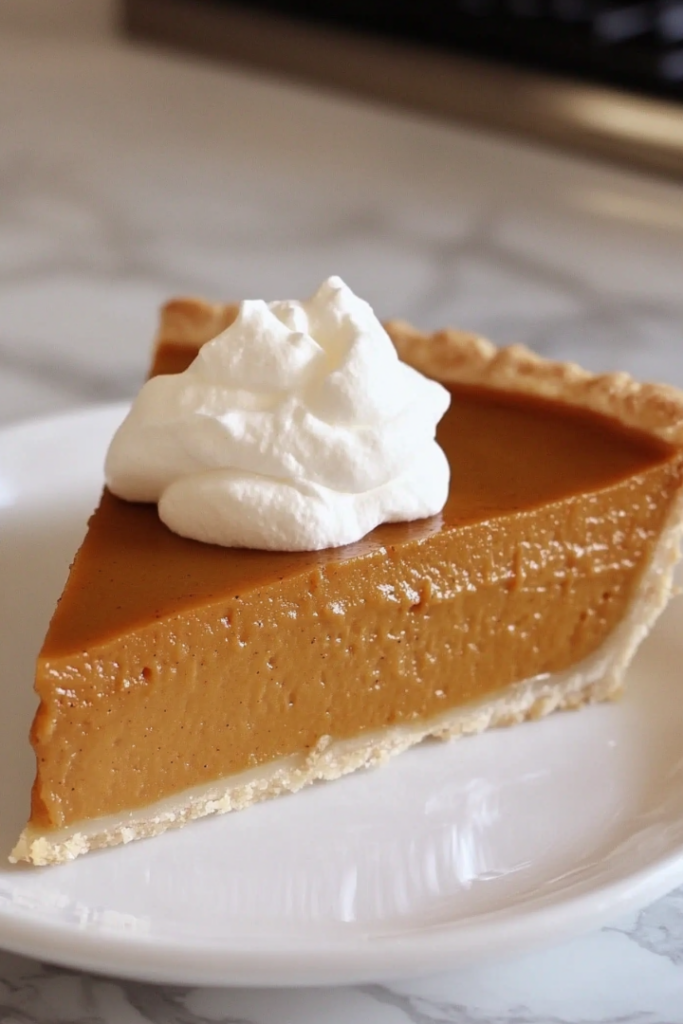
<point x="127" y="176"/>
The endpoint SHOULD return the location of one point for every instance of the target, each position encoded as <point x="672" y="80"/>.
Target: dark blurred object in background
<point x="636" y="44"/>
<point x="554" y="71"/>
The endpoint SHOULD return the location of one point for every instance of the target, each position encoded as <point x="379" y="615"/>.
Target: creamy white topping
<point x="297" y="428"/>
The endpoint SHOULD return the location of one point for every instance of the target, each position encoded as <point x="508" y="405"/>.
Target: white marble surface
<point x="127" y="176"/>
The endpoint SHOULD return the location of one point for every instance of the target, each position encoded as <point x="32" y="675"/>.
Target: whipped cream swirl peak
<point x="297" y="428"/>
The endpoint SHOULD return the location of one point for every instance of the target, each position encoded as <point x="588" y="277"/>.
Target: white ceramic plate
<point x="451" y="853"/>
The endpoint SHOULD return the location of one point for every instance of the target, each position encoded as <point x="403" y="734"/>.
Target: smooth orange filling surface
<point x="169" y="663"/>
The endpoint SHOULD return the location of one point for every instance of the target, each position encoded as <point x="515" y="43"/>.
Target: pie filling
<point x="170" y="664"/>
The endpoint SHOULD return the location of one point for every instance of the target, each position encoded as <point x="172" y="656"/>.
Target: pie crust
<point x="457" y="357"/>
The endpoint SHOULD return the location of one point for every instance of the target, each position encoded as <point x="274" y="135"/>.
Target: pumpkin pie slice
<point x="179" y="679"/>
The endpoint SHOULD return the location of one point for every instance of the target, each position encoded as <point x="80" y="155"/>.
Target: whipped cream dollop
<point x="297" y="428"/>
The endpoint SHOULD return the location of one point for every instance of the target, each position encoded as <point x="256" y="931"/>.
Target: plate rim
<point x="447" y="946"/>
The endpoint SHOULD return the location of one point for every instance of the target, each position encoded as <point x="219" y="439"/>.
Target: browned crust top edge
<point x="460" y="357"/>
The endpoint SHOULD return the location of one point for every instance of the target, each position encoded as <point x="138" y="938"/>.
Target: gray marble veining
<point x="579" y="989"/>
<point x="111" y="199"/>
<point x="658" y="928"/>
<point x="126" y="177"/>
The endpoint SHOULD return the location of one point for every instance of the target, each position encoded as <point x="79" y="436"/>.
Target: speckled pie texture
<point x="452" y="357"/>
